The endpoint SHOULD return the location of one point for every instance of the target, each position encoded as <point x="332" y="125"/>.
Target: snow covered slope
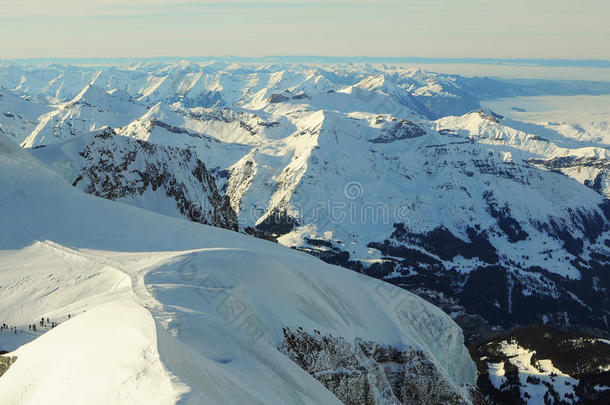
<point x="19" y="114"/>
<point x="152" y="309"/>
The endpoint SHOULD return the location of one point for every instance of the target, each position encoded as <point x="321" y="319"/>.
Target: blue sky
<point x="427" y="28"/>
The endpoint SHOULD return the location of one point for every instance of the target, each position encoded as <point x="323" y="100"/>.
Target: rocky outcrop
<point x="5" y="363"/>
<point x="364" y="372"/>
<point x="166" y="179"/>
<point x="402" y="129"/>
<point x="277" y="98"/>
<point x="490" y="116"/>
<point x="250" y="122"/>
<point x="593" y="172"/>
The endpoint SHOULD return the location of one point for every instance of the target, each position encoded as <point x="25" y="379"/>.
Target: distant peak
<point x="373" y="82"/>
<point x="90" y="94"/>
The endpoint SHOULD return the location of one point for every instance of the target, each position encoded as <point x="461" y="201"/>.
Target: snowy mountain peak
<point x="91" y="94"/>
<point x="95" y="96"/>
<point x="375" y="82"/>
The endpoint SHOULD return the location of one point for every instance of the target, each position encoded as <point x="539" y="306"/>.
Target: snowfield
<point x="167" y="311"/>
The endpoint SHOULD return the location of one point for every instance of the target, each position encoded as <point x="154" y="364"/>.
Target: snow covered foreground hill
<point x="153" y="309"/>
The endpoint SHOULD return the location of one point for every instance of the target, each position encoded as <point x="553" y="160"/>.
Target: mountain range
<point x="396" y="174"/>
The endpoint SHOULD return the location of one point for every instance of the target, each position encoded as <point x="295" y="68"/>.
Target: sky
<point x="424" y="28"/>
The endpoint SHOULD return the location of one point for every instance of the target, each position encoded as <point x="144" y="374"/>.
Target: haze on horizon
<point x="424" y="28"/>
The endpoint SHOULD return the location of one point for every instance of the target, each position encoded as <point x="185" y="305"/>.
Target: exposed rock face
<point x="5" y="363"/>
<point x="300" y="96"/>
<point x="247" y="120"/>
<point x="166" y="179"/>
<point x="403" y="129"/>
<point x="490" y="116"/>
<point x="364" y="372"/>
<point x="592" y="172"/>
<point x="277" y="98"/>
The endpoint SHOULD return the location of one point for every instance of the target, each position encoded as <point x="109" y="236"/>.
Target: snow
<point x="334" y="126"/>
<point x="297" y="155"/>
<point x="496" y="374"/>
<point x="149" y="298"/>
<point x="92" y="109"/>
<point x="543" y="370"/>
<point x="18" y="114"/>
<point x="88" y="357"/>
